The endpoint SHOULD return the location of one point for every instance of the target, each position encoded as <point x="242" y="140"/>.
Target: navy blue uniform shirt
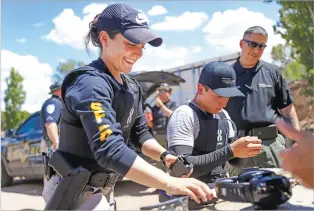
<point x="110" y="114"/>
<point x="50" y="113"/>
<point x="51" y="109"/>
<point x="266" y="92"/>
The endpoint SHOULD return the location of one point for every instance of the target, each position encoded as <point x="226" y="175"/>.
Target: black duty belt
<point x="264" y="133"/>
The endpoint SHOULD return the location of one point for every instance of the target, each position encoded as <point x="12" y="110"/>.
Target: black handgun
<point x="180" y="167"/>
<point x="48" y="170"/>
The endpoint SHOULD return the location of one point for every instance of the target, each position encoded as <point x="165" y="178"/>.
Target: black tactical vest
<point x="43" y="121"/>
<point x="73" y="139"/>
<point x="212" y="136"/>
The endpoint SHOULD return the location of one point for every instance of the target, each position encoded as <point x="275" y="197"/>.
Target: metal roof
<point x="227" y="58"/>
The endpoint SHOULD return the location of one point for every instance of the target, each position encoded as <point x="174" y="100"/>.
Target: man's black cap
<point x="55" y="86"/>
<point x="131" y="23"/>
<point x="220" y="77"/>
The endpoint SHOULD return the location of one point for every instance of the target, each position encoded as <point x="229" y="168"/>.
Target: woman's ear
<point x="103" y="38"/>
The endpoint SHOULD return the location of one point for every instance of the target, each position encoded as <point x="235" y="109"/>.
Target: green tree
<point x="296" y="26"/>
<point x="64" y="67"/>
<point x="23" y="115"/>
<point x="289" y="65"/>
<point x="14" y="99"/>
<point x="3" y="121"/>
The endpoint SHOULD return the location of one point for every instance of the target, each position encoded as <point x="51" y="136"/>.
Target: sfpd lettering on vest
<point x="99" y="113"/>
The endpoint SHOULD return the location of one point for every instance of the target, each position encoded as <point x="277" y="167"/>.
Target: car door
<point x="150" y="80"/>
<point x="34" y="155"/>
<point x="21" y="146"/>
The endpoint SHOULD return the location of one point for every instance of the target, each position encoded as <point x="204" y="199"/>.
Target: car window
<point x="32" y="124"/>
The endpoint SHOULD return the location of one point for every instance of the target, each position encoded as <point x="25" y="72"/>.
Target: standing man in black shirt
<point x="162" y="110"/>
<point x="267" y="108"/>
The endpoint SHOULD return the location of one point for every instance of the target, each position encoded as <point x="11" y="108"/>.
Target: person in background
<point x="50" y="118"/>
<point x="267" y="105"/>
<point x="162" y="110"/>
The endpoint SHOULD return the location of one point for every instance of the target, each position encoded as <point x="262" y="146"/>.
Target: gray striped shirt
<point x="183" y="126"/>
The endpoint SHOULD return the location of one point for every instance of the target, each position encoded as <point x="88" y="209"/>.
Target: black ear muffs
<point x="260" y="187"/>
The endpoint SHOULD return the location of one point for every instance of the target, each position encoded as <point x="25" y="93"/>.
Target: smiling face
<point x="252" y="46"/>
<point x="120" y="54"/>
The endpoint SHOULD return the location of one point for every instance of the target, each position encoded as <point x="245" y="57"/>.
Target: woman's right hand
<point x="191" y="187"/>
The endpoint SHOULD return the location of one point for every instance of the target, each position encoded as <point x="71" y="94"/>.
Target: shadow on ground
<point x="133" y="189"/>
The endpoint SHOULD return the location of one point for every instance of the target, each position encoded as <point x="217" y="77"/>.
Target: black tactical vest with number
<point x="213" y="135"/>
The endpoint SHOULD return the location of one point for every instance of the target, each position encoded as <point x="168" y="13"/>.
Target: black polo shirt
<point x="266" y="91"/>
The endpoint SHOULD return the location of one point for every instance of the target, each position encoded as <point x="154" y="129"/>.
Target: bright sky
<point x="37" y="35"/>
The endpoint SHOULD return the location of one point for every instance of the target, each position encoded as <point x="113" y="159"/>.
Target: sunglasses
<point x="162" y="91"/>
<point x="253" y="44"/>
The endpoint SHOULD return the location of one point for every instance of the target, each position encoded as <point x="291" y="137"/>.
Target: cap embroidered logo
<point x="140" y="18"/>
<point x="228" y="81"/>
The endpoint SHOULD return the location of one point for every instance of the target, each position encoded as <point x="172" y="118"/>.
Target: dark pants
<point x="269" y="158"/>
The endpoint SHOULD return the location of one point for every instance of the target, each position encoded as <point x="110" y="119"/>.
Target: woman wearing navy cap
<point x="103" y="110"/>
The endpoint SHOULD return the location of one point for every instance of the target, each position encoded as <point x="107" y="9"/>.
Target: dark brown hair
<point x="93" y="34"/>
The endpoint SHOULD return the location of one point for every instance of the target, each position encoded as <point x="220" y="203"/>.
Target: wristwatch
<point x="164" y="154"/>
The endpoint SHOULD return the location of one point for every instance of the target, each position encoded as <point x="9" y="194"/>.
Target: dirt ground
<point x="26" y="195"/>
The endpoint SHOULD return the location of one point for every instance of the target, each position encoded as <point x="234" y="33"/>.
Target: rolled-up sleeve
<point x="52" y="112"/>
<point x="283" y="94"/>
<point x="180" y="129"/>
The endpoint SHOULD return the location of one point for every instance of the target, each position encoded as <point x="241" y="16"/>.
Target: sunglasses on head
<point x="253" y="44"/>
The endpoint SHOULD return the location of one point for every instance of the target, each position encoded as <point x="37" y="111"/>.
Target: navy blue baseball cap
<point x="220" y="77"/>
<point x="132" y="24"/>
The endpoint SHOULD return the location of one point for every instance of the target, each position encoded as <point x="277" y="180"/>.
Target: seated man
<point x="204" y="133"/>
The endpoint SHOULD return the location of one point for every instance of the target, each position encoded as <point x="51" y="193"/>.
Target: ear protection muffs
<point x="262" y="188"/>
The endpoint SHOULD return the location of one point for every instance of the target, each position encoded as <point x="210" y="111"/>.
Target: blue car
<point x="21" y="152"/>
